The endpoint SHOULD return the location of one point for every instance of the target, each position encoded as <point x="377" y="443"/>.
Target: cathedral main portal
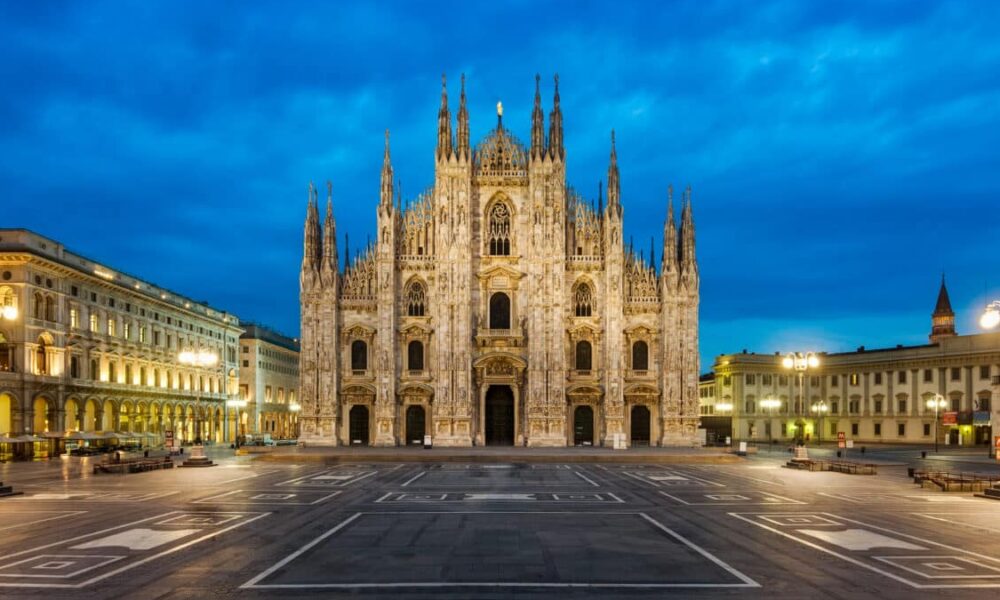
<point x="499" y="416"/>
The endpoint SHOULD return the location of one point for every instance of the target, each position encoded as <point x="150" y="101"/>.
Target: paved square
<point x="499" y="549"/>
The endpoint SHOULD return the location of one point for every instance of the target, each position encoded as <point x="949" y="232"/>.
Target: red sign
<point x="841" y="439"/>
<point x="996" y="444"/>
<point x="949" y="418"/>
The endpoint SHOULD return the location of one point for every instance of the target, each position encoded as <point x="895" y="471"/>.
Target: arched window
<point x="50" y="308"/>
<point x="498" y="230"/>
<point x="415" y="298"/>
<point x="111" y="372"/>
<point x="128" y="374"/>
<point x="640" y="356"/>
<point x="584" y="358"/>
<point x="142" y="375"/>
<point x="39" y="306"/>
<point x="499" y="311"/>
<point x="415" y="356"/>
<point x="94" y="369"/>
<point x="583" y="300"/>
<point x="6" y="354"/>
<point x="359" y="355"/>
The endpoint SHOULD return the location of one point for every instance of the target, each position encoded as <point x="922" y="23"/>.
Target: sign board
<point x="841" y="439"/>
<point x="949" y="418"/>
<point x="996" y="446"/>
<point x="850" y="443"/>
<point x="168" y="438"/>
<point x="743" y="447"/>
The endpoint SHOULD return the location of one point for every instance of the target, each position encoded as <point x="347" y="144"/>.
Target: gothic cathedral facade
<point x="499" y="307"/>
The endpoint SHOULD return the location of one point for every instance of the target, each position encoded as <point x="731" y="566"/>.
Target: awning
<point x="83" y="435"/>
<point x="53" y="435"/>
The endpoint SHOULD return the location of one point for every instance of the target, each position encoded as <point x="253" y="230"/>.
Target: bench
<point x="134" y="465"/>
<point x="837" y="466"/>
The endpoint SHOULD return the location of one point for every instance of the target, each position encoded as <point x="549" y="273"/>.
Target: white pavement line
<point x="300" y="478"/>
<point x="672" y="497"/>
<point x="587" y="479"/>
<point x="59" y="514"/>
<point x="616" y="498"/>
<point x="387" y="494"/>
<point x="746" y="580"/>
<point x="253" y="582"/>
<point x="357" y="479"/>
<point x="93" y="534"/>
<point x="827" y="551"/>
<point x="250" y="476"/>
<point x="952" y="521"/>
<point x="169" y="551"/>
<point x="414" y="478"/>
<point x="642" y="479"/>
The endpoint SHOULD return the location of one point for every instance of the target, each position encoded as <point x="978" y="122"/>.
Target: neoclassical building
<point x="85" y="347"/>
<point x="869" y="395"/>
<point x="269" y="381"/>
<point x="499" y="307"/>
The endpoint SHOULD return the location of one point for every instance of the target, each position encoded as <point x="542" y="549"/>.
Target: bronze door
<point x="583" y="426"/>
<point x="640" y="426"/>
<point x="415" y="424"/>
<point x="359" y="425"/>
<point x="499" y="416"/>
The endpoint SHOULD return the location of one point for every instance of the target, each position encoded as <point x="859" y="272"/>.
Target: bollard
<point x="923" y="454"/>
<point x="838" y="453"/>
<point x="862" y="449"/>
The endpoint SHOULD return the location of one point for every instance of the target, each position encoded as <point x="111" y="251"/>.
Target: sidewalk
<point x="498" y="454"/>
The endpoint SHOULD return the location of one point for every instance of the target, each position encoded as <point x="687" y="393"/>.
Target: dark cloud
<point x="842" y="154"/>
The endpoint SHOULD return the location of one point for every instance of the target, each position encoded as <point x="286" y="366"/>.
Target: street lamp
<point x="991" y="315"/>
<point x="770" y="403"/>
<point x="801" y="363"/>
<point x="237" y="404"/>
<point x="821" y="408"/>
<point x="8" y="312"/>
<point x="937" y="403"/>
<point x="198" y="358"/>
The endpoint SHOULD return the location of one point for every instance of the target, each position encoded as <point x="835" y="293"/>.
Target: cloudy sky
<point x="842" y="155"/>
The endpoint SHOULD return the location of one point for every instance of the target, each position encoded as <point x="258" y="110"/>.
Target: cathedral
<point x="499" y="307"/>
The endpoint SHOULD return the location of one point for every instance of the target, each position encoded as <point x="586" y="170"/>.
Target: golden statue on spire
<point x="499" y="108"/>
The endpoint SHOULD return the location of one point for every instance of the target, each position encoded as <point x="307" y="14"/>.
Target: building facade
<point x="87" y="348"/>
<point x="499" y="307"/>
<point x="869" y="395"/>
<point x="269" y="382"/>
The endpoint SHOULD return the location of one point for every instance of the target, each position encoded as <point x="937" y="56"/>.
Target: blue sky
<point x="842" y="155"/>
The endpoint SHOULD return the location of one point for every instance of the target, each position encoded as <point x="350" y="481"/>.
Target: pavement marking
<point x="65" y="563"/>
<point x="873" y="499"/>
<point x="414" y="478"/>
<point x="587" y="479"/>
<point x="701" y="498"/>
<point x="328" y="479"/>
<point x="296" y="498"/>
<point x="438" y="497"/>
<point x="255" y="582"/>
<point x="139" y="538"/>
<point x="56" y="514"/>
<point x="951" y="519"/>
<point x="96" y="497"/>
<point x="669" y="478"/>
<point x="872" y="546"/>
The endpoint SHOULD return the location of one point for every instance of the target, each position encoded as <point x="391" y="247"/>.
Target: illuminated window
<point x="74" y="318"/>
<point x="127" y="331"/>
<point x="93" y="323"/>
<point x="267" y="393"/>
<point x="142" y="335"/>
<point x="111" y="326"/>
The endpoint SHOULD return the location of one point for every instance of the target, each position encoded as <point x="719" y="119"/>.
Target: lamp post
<point x="198" y="358"/>
<point x="821" y="408"/>
<point x="770" y="403"/>
<point x="237" y="404"/>
<point x="801" y="363"/>
<point x="937" y="403"/>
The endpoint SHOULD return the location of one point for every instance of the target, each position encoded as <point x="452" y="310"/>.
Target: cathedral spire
<point x="330" y="263"/>
<point x="537" y="123"/>
<point x="386" y="193"/>
<point x="444" y="123"/>
<point x="312" y="246"/>
<point x="688" y="260"/>
<point x="614" y="190"/>
<point x="556" y="127"/>
<point x="670" y="249"/>
<point x="600" y="197"/>
<point x="943" y="317"/>
<point x="463" y="125"/>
